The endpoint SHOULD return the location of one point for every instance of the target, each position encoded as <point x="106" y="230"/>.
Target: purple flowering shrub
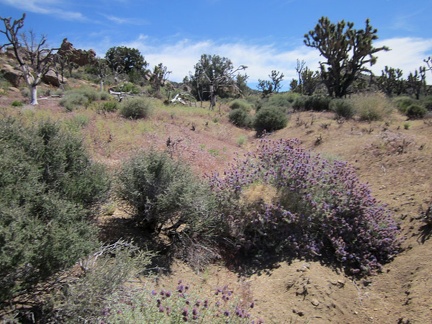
<point x="282" y="199"/>
<point x="179" y="306"/>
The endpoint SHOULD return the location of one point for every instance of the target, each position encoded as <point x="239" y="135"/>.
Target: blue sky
<point x="263" y="35"/>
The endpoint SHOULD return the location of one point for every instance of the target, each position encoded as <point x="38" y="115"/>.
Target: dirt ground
<point x="396" y="162"/>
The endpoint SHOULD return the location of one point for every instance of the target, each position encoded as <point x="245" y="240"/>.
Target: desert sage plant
<point x="283" y="199"/>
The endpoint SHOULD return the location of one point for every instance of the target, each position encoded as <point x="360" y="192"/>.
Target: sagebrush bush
<point x="240" y="104"/>
<point x="269" y="119"/>
<point x="314" y="103"/>
<point x="74" y="100"/>
<point x="342" y="108"/>
<point x="427" y="102"/>
<point x="165" y="196"/>
<point x="416" y="111"/>
<point x="283" y="100"/>
<point x="128" y="87"/>
<point x="108" y="106"/>
<point x="85" y="299"/>
<point x="403" y="102"/>
<point x="136" y="108"/>
<point x="372" y="107"/>
<point x="240" y="117"/>
<point x="282" y="199"/>
<point x="47" y="188"/>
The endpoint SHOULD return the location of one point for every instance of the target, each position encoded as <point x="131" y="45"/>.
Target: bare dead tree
<point x="226" y="79"/>
<point x="33" y="57"/>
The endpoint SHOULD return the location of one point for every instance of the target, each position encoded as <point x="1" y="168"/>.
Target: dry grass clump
<point x="372" y="107"/>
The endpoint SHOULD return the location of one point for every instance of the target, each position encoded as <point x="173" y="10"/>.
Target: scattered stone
<point x="315" y="302"/>
<point x="305" y="267"/>
<point x="298" y="312"/>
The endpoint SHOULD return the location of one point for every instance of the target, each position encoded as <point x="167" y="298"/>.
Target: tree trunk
<point x="33" y="95"/>
<point x="101" y="85"/>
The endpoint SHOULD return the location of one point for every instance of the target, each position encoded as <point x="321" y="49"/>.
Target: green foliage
<point x="342" y="108"/>
<point x="179" y="305"/>
<point x="165" y="196"/>
<point x="347" y="51"/>
<point x="136" y="108"/>
<point x="416" y="111"/>
<point x="427" y="102"/>
<point x="128" y="87"/>
<point x="109" y="106"/>
<point x="81" y="97"/>
<point x="16" y="103"/>
<point x="271" y="86"/>
<point x="402" y="103"/>
<point x="269" y="119"/>
<point x="122" y="59"/>
<point x="240" y="117"/>
<point x="47" y="186"/>
<point x="213" y="76"/>
<point x="284" y="100"/>
<point x="391" y="81"/>
<point x="73" y="100"/>
<point x="240" y="104"/>
<point x="372" y="107"/>
<point x="315" y="103"/>
<point x="85" y="299"/>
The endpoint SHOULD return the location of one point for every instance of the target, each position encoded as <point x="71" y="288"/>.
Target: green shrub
<point x="269" y="119"/>
<point x="165" y="196"/>
<point x="415" y="111"/>
<point x="240" y="117"/>
<point x="283" y="100"/>
<point x="299" y="103"/>
<point x="372" y="107"/>
<point x="104" y="95"/>
<point x="427" y="103"/>
<point x="342" y="108"/>
<point x="109" y="106"/>
<point x="240" y="104"/>
<point x="128" y="87"/>
<point x="91" y="93"/>
<point x="47" y="188"/>
<point x="136" y="108"/>
<point x="73" y="100"/>
<point x="402" y="103"/>
<point x="17" y="103"/>
<point x="317" y="103"/>
<point x="87" y="297"/>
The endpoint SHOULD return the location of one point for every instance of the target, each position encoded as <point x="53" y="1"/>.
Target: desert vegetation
<point x="105" y="194"/>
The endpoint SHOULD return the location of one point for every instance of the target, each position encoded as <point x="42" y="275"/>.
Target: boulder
<point x="77" y="56"/>
<point x="51" y="79"/>
<point x="11" y="74"/>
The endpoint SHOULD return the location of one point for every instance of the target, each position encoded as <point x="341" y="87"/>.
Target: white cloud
<point x="406" y="54"/>
<point x="180" y="56"/>
<point x="46" y="7"/>
<point x="126" y="21"/>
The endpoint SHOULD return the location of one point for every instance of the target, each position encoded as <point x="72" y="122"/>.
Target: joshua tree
<point x="346" y="50"/>
<point x="34" y="58"/>
<point x="273" y="85"/>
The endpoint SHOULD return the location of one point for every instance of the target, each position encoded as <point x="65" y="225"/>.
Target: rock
<point x="52" y="79"/>
<point x="11" y="74"/>
<point x="298" y="312"/>
<point x="77" y="56"/>
<point x="315" y="302"/>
